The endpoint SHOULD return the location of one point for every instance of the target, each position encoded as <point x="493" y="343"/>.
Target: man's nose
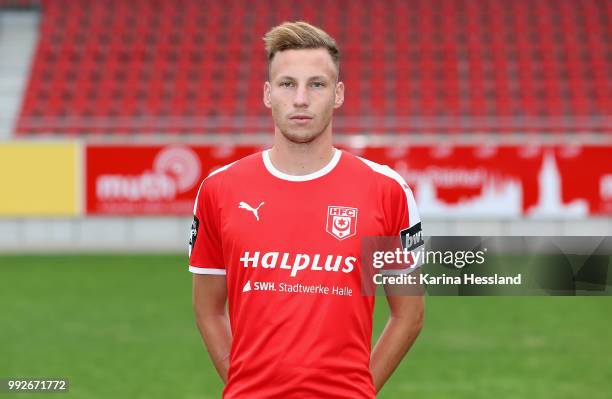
<point x="301" y="97"/>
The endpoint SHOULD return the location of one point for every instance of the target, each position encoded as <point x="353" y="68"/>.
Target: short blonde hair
<point x="299" y="35"/>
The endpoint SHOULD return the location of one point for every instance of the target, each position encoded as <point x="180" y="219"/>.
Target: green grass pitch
<point x="121" y="326"/>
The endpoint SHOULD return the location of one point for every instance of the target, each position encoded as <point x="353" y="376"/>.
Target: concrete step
<point x="18" y="36"/>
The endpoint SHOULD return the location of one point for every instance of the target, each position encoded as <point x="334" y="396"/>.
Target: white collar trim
<point x="311" y="176"/>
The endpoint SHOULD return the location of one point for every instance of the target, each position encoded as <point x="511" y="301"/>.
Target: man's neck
<point x="301" y="158"/>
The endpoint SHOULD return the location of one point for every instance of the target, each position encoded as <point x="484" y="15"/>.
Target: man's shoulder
<point x="377" y="171"/>
<point x="234" y="172"/>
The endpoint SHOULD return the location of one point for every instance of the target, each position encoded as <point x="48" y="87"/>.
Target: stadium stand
<point x="181" y="67"/>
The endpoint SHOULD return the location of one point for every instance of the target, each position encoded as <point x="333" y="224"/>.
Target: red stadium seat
<point x="146" y="66"/>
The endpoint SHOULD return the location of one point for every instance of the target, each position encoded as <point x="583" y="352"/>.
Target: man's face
<point x="302" y="93"/>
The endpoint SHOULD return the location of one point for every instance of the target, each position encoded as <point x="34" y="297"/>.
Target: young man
<point x="277" y="235"/>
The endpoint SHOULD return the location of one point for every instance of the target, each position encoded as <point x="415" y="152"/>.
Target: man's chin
<point x="300" y="137"/>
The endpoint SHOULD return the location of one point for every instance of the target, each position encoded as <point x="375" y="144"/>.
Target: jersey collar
<point x="311" y="176"/>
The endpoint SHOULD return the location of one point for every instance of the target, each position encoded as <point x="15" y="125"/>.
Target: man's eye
<point x="286" y="84"/>
<point x="318" y="84"/>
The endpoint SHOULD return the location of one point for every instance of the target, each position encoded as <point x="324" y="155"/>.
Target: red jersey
<point x="289" y="247"/>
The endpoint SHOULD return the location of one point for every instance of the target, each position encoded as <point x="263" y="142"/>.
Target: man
<point x="277" y="235"/>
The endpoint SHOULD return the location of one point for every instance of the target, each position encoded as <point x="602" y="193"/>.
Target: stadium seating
<point x="182" y="67"/>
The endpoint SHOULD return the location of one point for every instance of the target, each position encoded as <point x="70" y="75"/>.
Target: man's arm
<point x="402" y="328"/>
<point x="209" y="297"/>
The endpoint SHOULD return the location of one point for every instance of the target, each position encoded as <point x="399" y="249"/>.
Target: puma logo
<point x="244" y="205"/>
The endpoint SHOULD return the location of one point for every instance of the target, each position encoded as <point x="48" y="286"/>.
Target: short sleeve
<point x="405" y="222"/>
<point x="205" y="249"/>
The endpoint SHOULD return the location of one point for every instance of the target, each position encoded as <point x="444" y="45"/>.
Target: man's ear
<point x="266" y="94"/>
<point x="339" y="95"/>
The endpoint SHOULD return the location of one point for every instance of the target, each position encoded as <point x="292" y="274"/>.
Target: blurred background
<point x="497" y="113"/>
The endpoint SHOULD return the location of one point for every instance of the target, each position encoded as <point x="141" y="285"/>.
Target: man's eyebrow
<point x="318" y="78"/>
<point x="311" y="78"/>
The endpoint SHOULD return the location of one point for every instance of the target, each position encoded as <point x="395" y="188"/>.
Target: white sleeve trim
<point x="204" y="270"/>
<point x="221" y="169"/>
<point x="214" y="172"/>
<point x="413" y="213"/>
<point x="195" y="204"/>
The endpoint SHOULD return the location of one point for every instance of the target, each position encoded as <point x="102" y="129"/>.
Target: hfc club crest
<point x="341" y="221"/>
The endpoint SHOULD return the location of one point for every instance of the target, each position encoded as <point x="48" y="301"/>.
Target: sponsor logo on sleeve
<point x="412" y="237"/>
<point x="194" y="233"/>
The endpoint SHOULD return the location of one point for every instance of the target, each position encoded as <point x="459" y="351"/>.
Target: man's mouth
<point x="300" y="117"/>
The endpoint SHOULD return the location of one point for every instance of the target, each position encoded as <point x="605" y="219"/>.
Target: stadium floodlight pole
<point x="276" y="242"/>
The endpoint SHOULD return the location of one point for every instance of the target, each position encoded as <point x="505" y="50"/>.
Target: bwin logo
<point x="412" y="237"/>
<point x="244" y="205"/>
